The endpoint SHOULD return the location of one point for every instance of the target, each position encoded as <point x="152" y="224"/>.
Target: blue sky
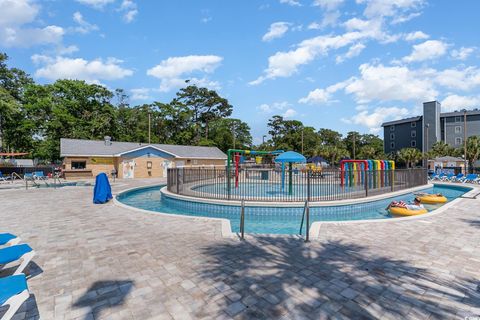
<point x="339" y="64"/>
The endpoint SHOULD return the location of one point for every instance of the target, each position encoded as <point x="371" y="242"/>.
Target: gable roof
<point x="98" y="148"/>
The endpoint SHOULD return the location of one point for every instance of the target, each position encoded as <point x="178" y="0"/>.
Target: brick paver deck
<point x="107" y="262"/>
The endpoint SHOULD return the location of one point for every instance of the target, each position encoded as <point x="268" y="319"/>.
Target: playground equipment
<point x="371" y="173"/>
<point x="235" y="157"/>
<point x="289" y="157"/>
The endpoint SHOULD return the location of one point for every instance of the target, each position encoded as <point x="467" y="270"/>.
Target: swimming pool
<point x="272" y="219"/>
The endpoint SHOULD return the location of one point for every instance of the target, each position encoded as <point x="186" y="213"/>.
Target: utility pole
<point x="465" y="139"/>
<point x="149" y="126"/>
<point x="353" y="138"/>
<point x="302" y="140"/>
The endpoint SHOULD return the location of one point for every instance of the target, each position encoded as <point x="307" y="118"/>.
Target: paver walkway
<point x="107" y="262"/>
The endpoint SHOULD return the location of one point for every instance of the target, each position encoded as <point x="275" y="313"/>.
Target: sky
<point x="339" y="64"/>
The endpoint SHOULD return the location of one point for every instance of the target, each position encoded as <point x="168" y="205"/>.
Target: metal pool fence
<point x="267" y="184"/>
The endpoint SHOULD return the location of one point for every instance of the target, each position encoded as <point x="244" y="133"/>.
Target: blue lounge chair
<point x="457" y="178"/>
<point x="39" y="175"/>
<point x="471" y="178"/>
<point x="13" y="254"/>
<point x="28" y="176"/>
<point x="13" y="293"/>
<point x="8" y="239"/>
<point x="447" y="177"/>
<point x="3" y="177"/>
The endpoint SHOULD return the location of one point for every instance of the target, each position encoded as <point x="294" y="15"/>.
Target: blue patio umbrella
<point x="289" y="157"/>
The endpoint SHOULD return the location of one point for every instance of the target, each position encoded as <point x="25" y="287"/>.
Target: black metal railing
<point x="270" y="184"/>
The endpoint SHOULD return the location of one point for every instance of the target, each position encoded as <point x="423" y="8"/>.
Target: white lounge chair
<point x="8" y="239"/>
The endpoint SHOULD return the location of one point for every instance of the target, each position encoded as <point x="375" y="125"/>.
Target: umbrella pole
<point x="283" y="176"/>
<point x="290" y="178"/>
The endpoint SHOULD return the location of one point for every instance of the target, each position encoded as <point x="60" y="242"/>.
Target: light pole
<point x="149" y="126"/>
<point x="465" y="139"/>
<point x="263" y="139"/>
<point x="302" y="140"/>
<point x="353" y="138"/>
<point x="426" y="143"/>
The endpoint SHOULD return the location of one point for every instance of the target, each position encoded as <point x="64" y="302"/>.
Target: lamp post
<point x="353" y="138"/>
<point x="302" y="140"/>
<point x="263" y="139"/>
<point x="465" y="139"/>
<point x="149" y="126"/>
<point x="427" y="125"/>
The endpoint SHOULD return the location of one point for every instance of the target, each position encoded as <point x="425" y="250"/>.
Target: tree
<point x="473" y="151"/>
<point x="333" y="154"/>
<point x="373" y="142"/>
<point x="329" y="137"/>
<point x="441" y="149"/>
<point x="410" y="156"/>
<point x="230" y="134"/>
<point x="206" y="106"/>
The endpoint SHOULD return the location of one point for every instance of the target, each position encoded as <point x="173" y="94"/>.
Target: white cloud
<point x="323" y="96"/>
<point x="97" y="4"/>
<point x="84" y="26"/>
<point x="460" y="79"/>
<point x="173" y="71"/>
<point x="353" y="51"/>
<point x="384" y="83"/>
<point x="276" y="30"/>
<point x="462" y="54"/>
<point x="140" y="94"/>
<point x="427" y="50"/>
<point x="17" y="12"/>
<point x="314" y="26"/>
<point x="61" y="50"/>
<point x="289" y="113"/>
<point x="129" y="7"/>
<point x="455" y="102"/>
<point x="293" y="3"/>
<point x="77" y="68"/>
<point x="328" y="5"/>
<point x="417" y="35"/>
<point x="14" y="15"/>
<point x="374" y="120"/>
<point x="274" y="107"/>
<point x="388" y="8"/>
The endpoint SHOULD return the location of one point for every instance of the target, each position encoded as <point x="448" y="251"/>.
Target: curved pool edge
<point x="315" y="228"/>
<point x="226" y="228"/>
<point x="330" y="203"/>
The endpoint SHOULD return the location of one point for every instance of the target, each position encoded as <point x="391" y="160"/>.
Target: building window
<point x="413" y="143"/>
<point x="458" y="119"/>
<point x="195" y="161"/>
<point x="79" y="165"/>
<point x="392" y="145"/>
<point x="392" y="128"/>
<point x="413" y="124"/>
<point x="392" y="136"/>
<point x="458" y="129"/>
<point x="458" y="141"/>
<point x="413" y="134"/>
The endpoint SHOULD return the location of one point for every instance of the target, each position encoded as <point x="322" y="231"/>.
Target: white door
<point x="165" y="165"/>
<point x="128" y="169"/>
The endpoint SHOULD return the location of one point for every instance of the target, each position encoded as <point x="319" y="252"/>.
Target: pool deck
<point x="110" y="262"/>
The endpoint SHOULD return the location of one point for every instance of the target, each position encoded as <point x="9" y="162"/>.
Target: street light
<point x="263" y="139"/>
<point x="426" y="142"/>
<point x="465" y="139"/>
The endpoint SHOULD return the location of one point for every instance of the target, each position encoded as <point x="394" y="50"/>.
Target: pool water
<point x="274" y="220"/>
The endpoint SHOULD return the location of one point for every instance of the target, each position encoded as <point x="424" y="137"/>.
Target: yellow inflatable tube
<point x="432" y="198"/>
<point x="397" y="211"/>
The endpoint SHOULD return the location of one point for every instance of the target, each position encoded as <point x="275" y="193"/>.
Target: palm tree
<point x="410" y="156"/>
<point x="473" y="150"/>
<point x="332" y="153"/>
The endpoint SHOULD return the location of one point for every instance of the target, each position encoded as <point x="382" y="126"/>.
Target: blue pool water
<point x="274" y="220"/>
<point x="269" y="189"/>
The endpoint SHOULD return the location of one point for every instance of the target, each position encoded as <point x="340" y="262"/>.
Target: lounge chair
<point x="433" y="176"/>
<point x="3" y="177"/>
<point x="39" y="175"/>
<point x="28" y="176"/>
<point x="16" y="253"/>
<point x="13" y="293"/>
<point x="471" y="178"/>
<point x="447" y="177"/>
<point x="8" y="239"/>
<point x="457" y="178"/>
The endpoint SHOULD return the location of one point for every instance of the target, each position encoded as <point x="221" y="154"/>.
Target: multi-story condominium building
<point x="423" y="131"/>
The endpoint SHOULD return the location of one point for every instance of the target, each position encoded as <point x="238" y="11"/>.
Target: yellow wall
<point x="106" y="165"/>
